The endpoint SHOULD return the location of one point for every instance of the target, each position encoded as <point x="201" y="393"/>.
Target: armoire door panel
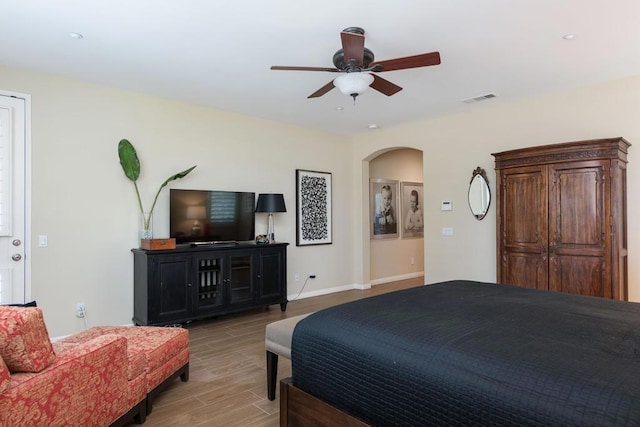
<point x="577" y="193"/>
<point x="524" y="239"/>
<point x="524" y="207"/>
<point x="581" y="275"/>
<point x="577" y="228"/>
<point x="526" y="270"/>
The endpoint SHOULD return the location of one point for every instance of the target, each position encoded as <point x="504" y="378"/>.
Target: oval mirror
<point x="479" y="193"/>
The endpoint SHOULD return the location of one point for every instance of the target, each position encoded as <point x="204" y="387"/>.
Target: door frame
<point x="27" y="188"/>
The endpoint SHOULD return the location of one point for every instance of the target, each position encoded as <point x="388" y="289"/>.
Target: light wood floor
<point x="227" y="384"/>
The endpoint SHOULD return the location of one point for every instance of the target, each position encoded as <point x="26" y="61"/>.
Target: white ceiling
<point x="218" y="52"/>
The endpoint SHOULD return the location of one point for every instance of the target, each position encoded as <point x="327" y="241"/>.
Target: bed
<point x="466" y="353"/>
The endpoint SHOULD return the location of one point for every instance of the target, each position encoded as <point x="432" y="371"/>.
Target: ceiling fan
<point x="355" y="61"/>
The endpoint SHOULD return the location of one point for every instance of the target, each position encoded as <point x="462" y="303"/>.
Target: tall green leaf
<point x="171" y="178"/>
<point x="129" y="160"/>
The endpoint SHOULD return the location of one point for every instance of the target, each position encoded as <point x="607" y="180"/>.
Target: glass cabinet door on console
<point x="208" y="278"/>
<point x="240" y="278"/>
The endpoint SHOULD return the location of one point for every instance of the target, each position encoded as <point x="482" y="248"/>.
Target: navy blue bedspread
<point x="470" y="353"/>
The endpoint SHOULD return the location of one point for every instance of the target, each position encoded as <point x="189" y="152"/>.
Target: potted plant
<point x="131" y="167"/>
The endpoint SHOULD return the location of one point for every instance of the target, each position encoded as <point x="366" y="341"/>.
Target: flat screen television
<point x="211" y="216"/>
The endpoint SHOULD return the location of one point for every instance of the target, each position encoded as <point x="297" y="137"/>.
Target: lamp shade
<point x="196" y="212"/>
<point x="353" y="84"/>
<point x="271" y="202"/>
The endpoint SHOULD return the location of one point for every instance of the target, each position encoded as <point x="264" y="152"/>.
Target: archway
<point x="396" y="253"/>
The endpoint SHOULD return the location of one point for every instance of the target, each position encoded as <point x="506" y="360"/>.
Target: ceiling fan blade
<point x="287" y="68"/>
<point x="324" y="89"/>
<point x="353" y="47"/>
<point x="384" y="86"/>
<point x="423" y="60"/>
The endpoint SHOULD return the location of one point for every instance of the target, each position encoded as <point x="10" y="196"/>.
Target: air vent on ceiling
<point x="479" y="98"/>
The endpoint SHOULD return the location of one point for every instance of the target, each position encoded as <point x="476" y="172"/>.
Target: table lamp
<point x="270" y="203"/>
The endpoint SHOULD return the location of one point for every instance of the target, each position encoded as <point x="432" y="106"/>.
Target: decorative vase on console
<point x="146" y="225"/>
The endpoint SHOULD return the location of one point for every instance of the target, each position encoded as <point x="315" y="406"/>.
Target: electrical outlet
<point x="80" y="310"/>
<point x="296" y="277"/>
<point x="312" y="275"/>
<point x="412" y="261"/>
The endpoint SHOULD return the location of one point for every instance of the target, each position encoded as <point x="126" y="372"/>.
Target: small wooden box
<point x="157" y="244"/>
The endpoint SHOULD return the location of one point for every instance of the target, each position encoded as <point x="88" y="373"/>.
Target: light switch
<point x="42" y="241"/>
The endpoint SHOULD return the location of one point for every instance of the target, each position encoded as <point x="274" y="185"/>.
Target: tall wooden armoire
<point x="561" y="217"/>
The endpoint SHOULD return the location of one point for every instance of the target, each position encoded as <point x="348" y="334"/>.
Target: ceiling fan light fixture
<point x="353" y="84"/>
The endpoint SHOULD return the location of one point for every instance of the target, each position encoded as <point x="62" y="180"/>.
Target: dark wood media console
<point x="189" y="283"/>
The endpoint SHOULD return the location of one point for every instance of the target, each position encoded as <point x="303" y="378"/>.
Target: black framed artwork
<point x="313" y="208"/>
<point x="384" y="208"/>
<point x="412" y="214"/>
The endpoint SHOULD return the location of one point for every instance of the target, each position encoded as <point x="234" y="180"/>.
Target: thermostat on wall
<point x="446" y="206"/>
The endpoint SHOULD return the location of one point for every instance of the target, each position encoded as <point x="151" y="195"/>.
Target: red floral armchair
<point x="99" y="377"/>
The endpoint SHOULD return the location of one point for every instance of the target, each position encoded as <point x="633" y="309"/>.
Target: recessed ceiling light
<point x="340" y="108"/>
<point x="76" y="36"/>
<point x="569" y="36"/>
<point x="374" y="126"/>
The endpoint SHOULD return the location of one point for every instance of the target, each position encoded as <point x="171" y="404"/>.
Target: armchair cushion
<point x="24" y="341"/>
<point x="5" y="376"/>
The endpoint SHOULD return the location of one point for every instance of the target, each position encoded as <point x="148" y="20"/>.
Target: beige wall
<point x="391" y="258"/>
<point x="454" y="145"/>
<point x="81" y="199"/>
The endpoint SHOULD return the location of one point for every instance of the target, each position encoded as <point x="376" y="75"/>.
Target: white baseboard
<point x="327" y="291"/>
<point x="356" y="286"/>
<point x="397" y="278"/>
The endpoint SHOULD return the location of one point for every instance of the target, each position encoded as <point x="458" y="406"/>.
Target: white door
<point x="12" y="199"/>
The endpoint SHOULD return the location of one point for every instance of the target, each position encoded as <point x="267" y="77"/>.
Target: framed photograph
<point x="313" y="208"/>
<point x="383" y="197"/>
<point x="412" y="224"/>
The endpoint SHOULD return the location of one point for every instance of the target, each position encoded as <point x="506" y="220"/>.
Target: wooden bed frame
<point x="299" y="409"/>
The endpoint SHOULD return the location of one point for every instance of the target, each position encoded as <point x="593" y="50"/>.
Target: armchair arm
<point x="86" y="384"/>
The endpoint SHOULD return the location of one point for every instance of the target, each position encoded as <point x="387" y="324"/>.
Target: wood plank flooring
<point x="227" y="384"/>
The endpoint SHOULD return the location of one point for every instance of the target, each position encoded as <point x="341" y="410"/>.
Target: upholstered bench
<point x="277" y="342"/>
<point x="163" y="352"/>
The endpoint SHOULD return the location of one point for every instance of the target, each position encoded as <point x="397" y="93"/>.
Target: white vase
<point x="146" y="225"/>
